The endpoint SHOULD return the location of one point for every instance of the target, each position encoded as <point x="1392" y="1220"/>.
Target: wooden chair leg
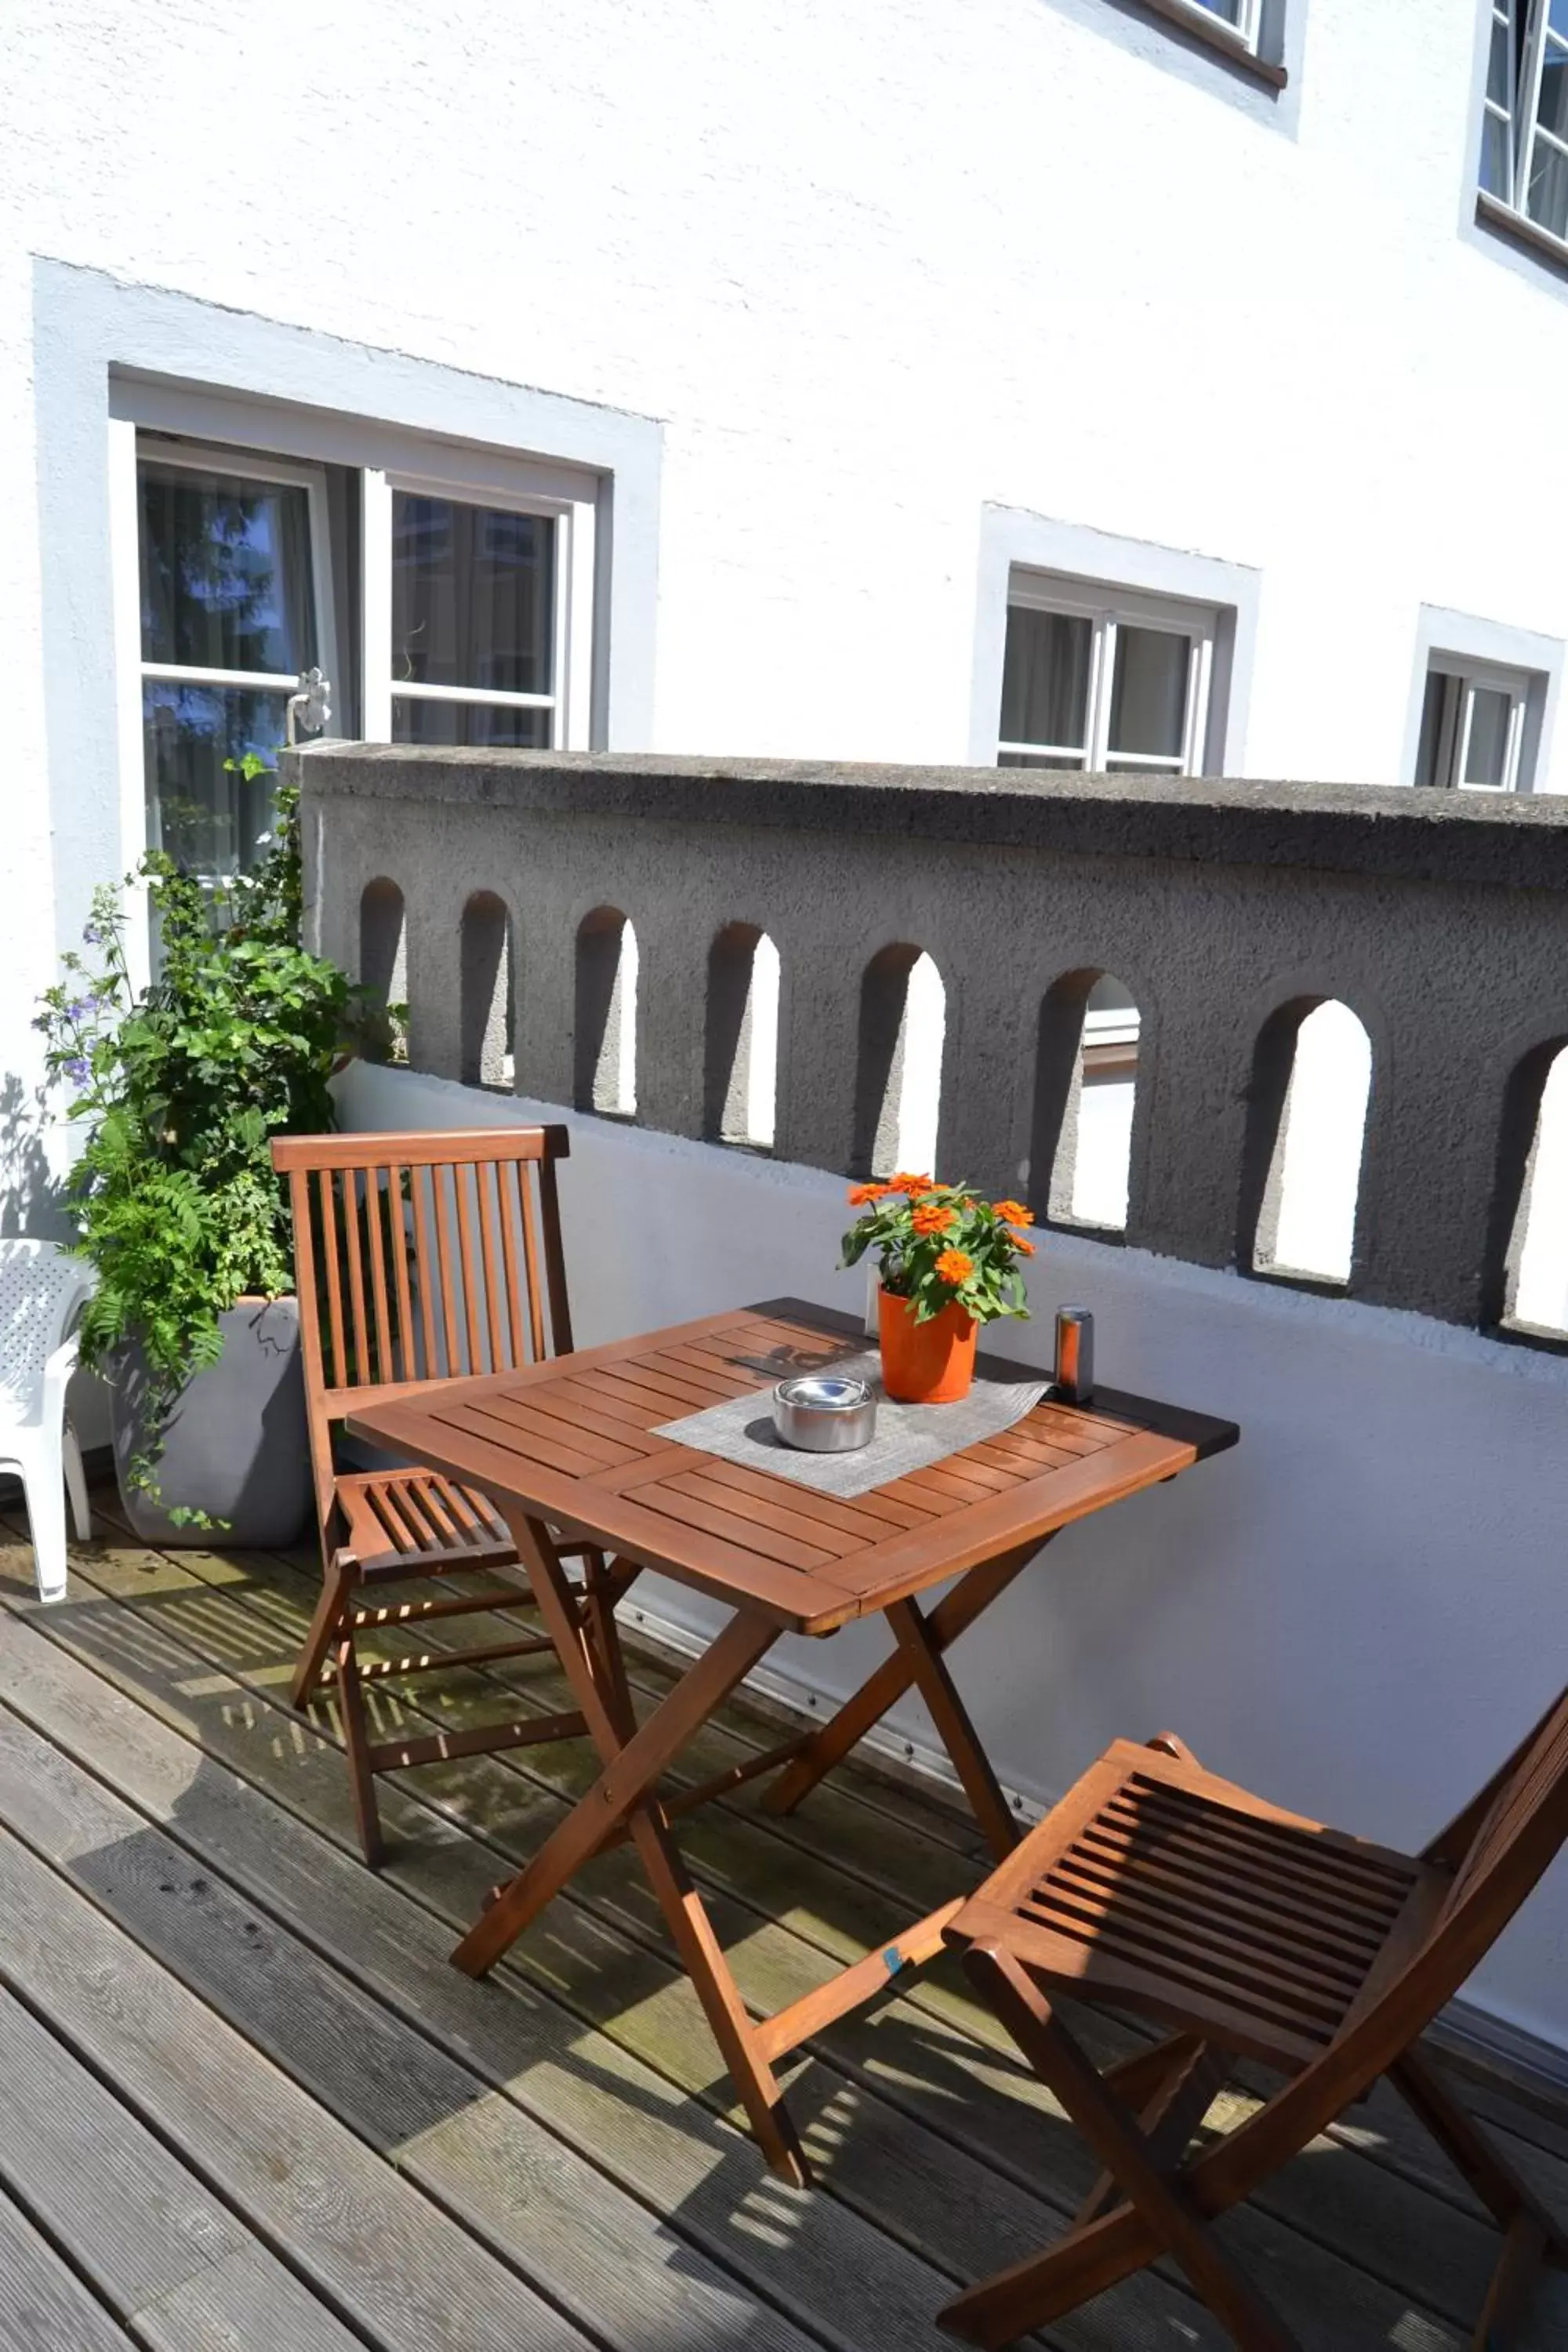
<point x="1506" y="2197"/>
<point x="1003" y="2308"/>
<point x="356" y="1742"/>
<point x="1512" y="2287"/>
<point x="338" y="1583"/>
<point x="1169" y="2111"/>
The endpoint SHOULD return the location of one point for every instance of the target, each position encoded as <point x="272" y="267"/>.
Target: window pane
<point x="208" y="817"/>
<point x="1040" y="760"/>
<point x="475" y="724"/>
<point x="473" y="596"/>
<point x="1549" y="188"/>
<point x="1496" y="178"/>
<point x="1149" y="693"/>
<point x="1498" y="62"/>
<point x="225" y="572"/>
<point x="1486" y="755"/>
<point x="1230" y="10"/>
<point x="1045" y="678"/>
<point x="1435" y="754"/>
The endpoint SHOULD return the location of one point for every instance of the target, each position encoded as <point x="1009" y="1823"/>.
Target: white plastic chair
<point x="42" y="1292"/>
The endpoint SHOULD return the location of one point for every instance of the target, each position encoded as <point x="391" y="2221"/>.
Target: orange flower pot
<point x="926" y="1363"/>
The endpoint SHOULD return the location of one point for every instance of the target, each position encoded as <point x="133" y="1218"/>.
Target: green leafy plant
<point x="182" y="1083"/>
<point x="943" y="1245"/>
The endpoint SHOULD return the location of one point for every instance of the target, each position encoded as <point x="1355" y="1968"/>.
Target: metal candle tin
<point x="822" y="1412"/>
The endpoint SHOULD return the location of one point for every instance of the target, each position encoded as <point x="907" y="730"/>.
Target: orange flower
<point x="1012" y="1212"/>
<point x="953" y="1267"/>
<point x="1024" y="1248"/>
<point x="906" y="1183"/>
<point x="860" y="1194"/>
<point x="931" y="1217"/>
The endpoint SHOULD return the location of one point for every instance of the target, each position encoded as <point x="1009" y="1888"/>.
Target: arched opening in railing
<point x="898" y="1078"/>
<point x="487" y="1011"/>
<point x="1527" y="1258"/>
<point x="604" y="1056"/>
<point x="384" y="971"/>
<point x="1086" y="1085"/>
<point x="1305" y="1133"/>
<point x="383" y="942"/>
<point x="742" y="1047"/>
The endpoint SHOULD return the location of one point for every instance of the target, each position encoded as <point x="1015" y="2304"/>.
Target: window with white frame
<point x="463" y="595"/>
<point x="1103" y="679"/>
<point x="478" y="611"/>
<point x="1524" y="135"/>
<point x="235" y="597"/>
<point x="1474" y="726"/>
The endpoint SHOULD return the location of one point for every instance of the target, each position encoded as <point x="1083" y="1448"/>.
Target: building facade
<point x="719" y="379"/>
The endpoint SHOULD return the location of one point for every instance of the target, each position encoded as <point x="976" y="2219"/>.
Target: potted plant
<point x="180" y="1083"/>
<point x="949" y="1262"/>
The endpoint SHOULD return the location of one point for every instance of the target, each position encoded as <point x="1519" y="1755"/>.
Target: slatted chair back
<point x="1501" y="1843"/>
<point x="1498" y="1848"/>
<point x="420" y="1258"/>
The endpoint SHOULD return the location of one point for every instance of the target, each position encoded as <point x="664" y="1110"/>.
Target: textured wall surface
<point x="1222" y="908"/>
<point x="872" y="268"/>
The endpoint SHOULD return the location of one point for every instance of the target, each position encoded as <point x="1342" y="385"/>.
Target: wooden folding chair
<point x="420" y="1259"/>
<point x="1251" y="1932"/>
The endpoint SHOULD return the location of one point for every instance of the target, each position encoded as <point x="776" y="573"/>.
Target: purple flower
<point x="76" y="1069"/>
<point x="92" y="935"/>
<point x="80" y="1006"/>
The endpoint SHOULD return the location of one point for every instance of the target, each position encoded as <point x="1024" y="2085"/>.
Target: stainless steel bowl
<point x="821" y="1412"/>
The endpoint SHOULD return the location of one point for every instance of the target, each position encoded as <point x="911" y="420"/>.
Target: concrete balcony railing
<point x="626" y="927"/>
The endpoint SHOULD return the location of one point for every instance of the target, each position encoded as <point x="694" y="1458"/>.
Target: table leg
<point x="957" y="1734"/>
<point x="634" y="1759"/>
<point x="951" y="1617"/>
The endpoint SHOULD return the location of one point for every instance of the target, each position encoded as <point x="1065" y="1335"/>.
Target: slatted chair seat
<point x="420" y="1260"/>
<point x="413" y="1522"/>
<point x="1167" y="1890"/>
<point x="1253" y="1932"/>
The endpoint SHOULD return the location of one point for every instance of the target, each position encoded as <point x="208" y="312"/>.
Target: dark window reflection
<point x="475" y="724"/>
<point x="225" y="572"/>
<point x="473" y="596"/>
<point x="208" y="817"/>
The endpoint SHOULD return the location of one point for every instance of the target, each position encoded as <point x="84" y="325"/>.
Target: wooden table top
<point x="571" y="1439"/>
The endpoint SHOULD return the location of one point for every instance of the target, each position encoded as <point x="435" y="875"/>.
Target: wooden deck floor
<point x="245" y="2102"/>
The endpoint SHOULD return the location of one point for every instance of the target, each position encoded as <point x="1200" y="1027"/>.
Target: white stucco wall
<point x="872" y="269"/>
<point x="1359" y="1611"/>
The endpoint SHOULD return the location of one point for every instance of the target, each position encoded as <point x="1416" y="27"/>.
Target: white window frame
<point x="1487" y="678"/>
<point x="1244" y="32"/>
<point x="1110" y="609"/>
<point x="1520" y="119"/>
<point x="240" y="465"/>
<point x="565" y="500"/>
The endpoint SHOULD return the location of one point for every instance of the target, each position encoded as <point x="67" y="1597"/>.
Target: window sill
<point x="1211" y="33"/>
<point x="1492" y="213"/>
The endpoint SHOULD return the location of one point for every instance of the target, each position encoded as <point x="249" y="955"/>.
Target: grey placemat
<point x="909" y="1436"/>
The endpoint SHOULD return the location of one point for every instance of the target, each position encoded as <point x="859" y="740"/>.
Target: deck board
<point x="44" y="2306"/>
<point x="149" y="1711"/>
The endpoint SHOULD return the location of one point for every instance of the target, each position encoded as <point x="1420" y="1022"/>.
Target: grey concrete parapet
<point x="1228" y="909"/>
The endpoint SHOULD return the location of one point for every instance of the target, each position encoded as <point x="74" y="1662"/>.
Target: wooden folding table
<point x="565" y="1449"/>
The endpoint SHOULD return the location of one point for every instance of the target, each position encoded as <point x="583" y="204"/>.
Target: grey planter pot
<point x="235" y="1444"/>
